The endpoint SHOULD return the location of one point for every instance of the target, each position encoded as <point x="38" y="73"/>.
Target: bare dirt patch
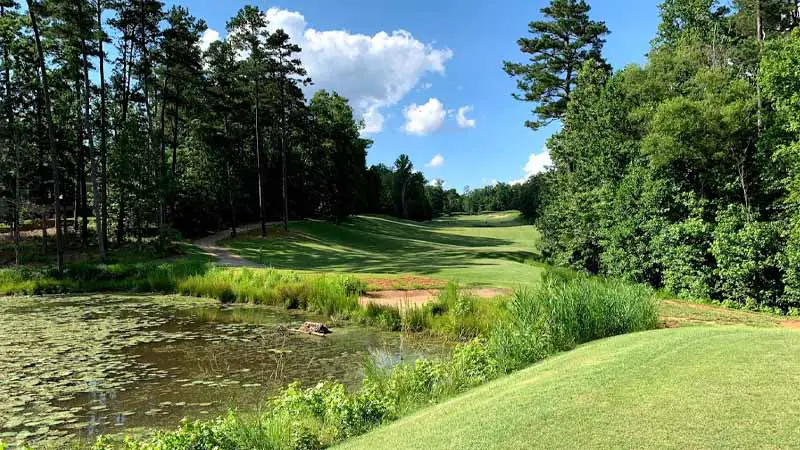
<point x="419" y="297"/>
<point x="406" y="283"/>
<point x="793" y="324"/>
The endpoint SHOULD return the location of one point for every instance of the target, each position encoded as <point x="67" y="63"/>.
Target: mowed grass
<point x="491" y="249"/>
<point x="693" y="387"/>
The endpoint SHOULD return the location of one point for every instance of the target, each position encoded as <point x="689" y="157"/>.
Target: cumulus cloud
<point x="422" y="120"/>
<point x="209" y="37"/>
<point x="461" y="118"/>
<point x="537" y="163"/>
<point x="436" y="161"/>
<point x="374" y="72"/>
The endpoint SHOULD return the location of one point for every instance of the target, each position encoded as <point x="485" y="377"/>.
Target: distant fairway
<point x="719" y="388"/>
<point x="491" y="249"/>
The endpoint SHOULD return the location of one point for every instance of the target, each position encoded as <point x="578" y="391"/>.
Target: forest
<point x="683" y="173"/>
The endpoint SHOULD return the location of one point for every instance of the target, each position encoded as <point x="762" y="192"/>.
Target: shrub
<point x="747" y="254"/>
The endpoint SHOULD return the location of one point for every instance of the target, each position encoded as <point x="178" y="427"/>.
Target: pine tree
<point x="287" y="72"/>
<point x="55" y="161"/>
<point x="248" y="34"/>
<point x="558" y="48"/>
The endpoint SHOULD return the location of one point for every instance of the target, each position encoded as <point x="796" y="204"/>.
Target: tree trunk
<point x="84" y="134"/>
<point x="54" y="159"/>
<point x="162" y="165"/>
<point x="126" y="82"/>
<point x="175" y="118"/>
<point x="144" y="80"/>
<point x="9" y="112"/>
<point x="282" y="137"/>
<point x="229" y="183"/>
<point x="103" y="219"/>
<point x="87" y="110"/>
<point x="260" y="165"/>
<point x="760" y="38"/>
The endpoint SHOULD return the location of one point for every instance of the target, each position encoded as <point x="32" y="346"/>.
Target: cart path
<point x="209" y="246"/>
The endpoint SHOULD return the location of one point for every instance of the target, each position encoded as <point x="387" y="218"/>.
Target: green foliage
<point x="556" y="316"/>
<point x="683" y="250"/>
<point x="747" y="255"/>
<point x="558" y="48"/>
<point x="652" y="160"/>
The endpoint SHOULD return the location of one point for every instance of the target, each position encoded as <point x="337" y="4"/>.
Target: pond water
<point x="77" y="367"/>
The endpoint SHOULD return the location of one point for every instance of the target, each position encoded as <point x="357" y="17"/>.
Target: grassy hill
<point x="494" y="249"/>
<point x="682" y="388"/>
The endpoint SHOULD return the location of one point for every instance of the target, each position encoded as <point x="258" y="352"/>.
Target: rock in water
<point x="314" y="328"/>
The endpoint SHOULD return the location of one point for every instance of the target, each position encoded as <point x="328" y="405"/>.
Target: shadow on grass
<point x="376" y="244"/>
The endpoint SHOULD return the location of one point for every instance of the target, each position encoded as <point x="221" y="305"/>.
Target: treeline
<point x="684" y="172"/>
<point x="112" y="110"/>
<point x="404" y="192"/>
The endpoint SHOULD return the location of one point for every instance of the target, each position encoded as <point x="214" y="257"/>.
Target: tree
<point x="339" y="153"/>
<point x="51" y="137"/>
<point x="248" y="34"/>
<point x="287" y="73"/>
<point x="560" y="46"/>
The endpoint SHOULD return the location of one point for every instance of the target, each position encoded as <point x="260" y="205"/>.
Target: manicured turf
<point x="491" y="249"/>
<point x="691" y="387"/>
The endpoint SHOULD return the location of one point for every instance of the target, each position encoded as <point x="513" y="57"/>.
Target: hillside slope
<point x="680" y="388"/>
<point x="489" y="249"/>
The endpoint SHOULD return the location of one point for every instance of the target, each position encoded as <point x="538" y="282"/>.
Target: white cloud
<point x="437" y="161"/>
<point x="537" y="163"/>
<point x="209" y="37"/>
<point x="425" y="119"/>
<point x="374" y="72"/>
<point x="462" y="119"/>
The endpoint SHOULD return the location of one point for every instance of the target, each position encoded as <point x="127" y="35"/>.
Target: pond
<point x="78" y="367"/>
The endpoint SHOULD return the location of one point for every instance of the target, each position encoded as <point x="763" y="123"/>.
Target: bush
<point x="748" y="258"/>
<point x="685" y="258"/>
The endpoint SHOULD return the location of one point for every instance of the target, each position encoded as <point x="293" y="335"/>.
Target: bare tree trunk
<point x="51" y="137"/>
<point x="103" y="218"/>
<point x="175" y="121"/>
<point x="282" y="137"/>
<point x="127" y="56"/>
<point x="760" y="38"/>
<point x="84" y="133"/>
<point x="229" y="183"/>
<point x="162" y="145"/>
<point x="9" y="111"/>
<point x="260" y="165"/>
<point x="87" y="110"/>
<point x="145" y="79"/>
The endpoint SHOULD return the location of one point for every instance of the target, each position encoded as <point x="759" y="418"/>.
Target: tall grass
<point x="325" y="294"/>
<point x="332" y="295"/>
<point x="561" y="314"/>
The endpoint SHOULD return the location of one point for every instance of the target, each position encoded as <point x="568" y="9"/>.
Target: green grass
<point x="692" y="387"/>
<point x="680" y="313"/>
<point x="491" y="249"/>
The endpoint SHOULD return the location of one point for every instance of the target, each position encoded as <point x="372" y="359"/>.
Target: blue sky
<point x="410" y="86"/>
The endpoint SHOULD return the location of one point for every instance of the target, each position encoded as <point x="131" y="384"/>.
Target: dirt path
<point x="419" y="297"/>
<point x="223" y="256"/>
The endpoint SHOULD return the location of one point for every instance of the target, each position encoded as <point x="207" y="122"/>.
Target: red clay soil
<point x="407" y="282"/>
<point x="419" y="297"/>
<point x="793" y="324"/>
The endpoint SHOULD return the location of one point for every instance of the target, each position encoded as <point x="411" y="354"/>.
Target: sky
<point x="426" y="76"/>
